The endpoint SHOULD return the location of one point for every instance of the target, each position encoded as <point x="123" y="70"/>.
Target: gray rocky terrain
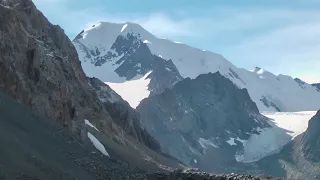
<point x="45" y="98"/>
<point x="34" y="147"/>
<point x="195" y="119"/>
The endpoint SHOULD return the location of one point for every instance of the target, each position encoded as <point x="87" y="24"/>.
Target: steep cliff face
<point x="40" y="67"/>
<point x="311" y="140"/>
<point x="201" y="120"/>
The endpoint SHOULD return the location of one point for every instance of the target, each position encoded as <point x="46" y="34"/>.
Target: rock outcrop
<point x="311" y="140"/>
<point x="40" y="67"/>
<point x="203" y="119"/>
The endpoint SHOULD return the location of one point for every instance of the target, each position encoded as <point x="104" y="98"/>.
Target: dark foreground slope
<point x="37" y="148"/>
<point x="192" y="174"/>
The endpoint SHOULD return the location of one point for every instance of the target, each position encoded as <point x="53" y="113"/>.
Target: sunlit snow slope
<point x="132" y="91"/>
<point x="111" y="52"/>
<point x="284" y="127"/>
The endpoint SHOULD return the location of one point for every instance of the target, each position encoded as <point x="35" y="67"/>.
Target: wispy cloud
<point x="76" y="20"/>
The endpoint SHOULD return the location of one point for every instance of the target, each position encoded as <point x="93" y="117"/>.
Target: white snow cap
<point x="282" y="91"/>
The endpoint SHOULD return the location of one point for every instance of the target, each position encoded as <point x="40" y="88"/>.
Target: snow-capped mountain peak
<point x="256" y="69"/>
<point x="104" y="34"/>
<point x="121" y="52"/>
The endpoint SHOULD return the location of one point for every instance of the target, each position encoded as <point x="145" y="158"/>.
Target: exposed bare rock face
<point x="196" y="119"/>
<point x="39" y="66"/>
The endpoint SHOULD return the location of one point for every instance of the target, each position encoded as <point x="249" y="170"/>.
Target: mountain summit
<point x="125" y="55"/>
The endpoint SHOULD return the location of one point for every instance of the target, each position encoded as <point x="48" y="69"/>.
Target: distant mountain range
<point x="126" y="56"/>
<point x="148" y="107"/>
<point x="198" y="105"/>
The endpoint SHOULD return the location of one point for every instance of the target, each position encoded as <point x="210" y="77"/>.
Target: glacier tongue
<point x="284" y="127"/>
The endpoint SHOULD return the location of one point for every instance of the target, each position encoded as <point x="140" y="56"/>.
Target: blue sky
<point x="282" y="36"/>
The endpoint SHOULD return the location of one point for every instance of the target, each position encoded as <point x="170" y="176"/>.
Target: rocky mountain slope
<point x="68" y="126"/>
<point x="122" y="55"/>
<point x="311" y="141"/>
<point x="183" y="113"/>
<point x="193" y="174"/>
<point x="37" y="148"/>
<point x="203" y="119"/>
<point x="39" y="67"/>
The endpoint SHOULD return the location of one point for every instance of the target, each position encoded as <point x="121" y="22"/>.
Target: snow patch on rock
<point x="233" y="143"/>
<point x="146" y="42"/>
<point x="97" y="144"/>
<point x="133" y="91"/>
<point x="124" y="27"/>
<point x="205" y="143"/>
<point x="87" y="122"/>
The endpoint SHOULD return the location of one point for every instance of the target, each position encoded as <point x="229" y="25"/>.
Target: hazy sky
<point x="282" y="36"/>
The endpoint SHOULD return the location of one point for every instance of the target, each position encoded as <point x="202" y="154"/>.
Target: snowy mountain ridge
<point x="120" y="52"/>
